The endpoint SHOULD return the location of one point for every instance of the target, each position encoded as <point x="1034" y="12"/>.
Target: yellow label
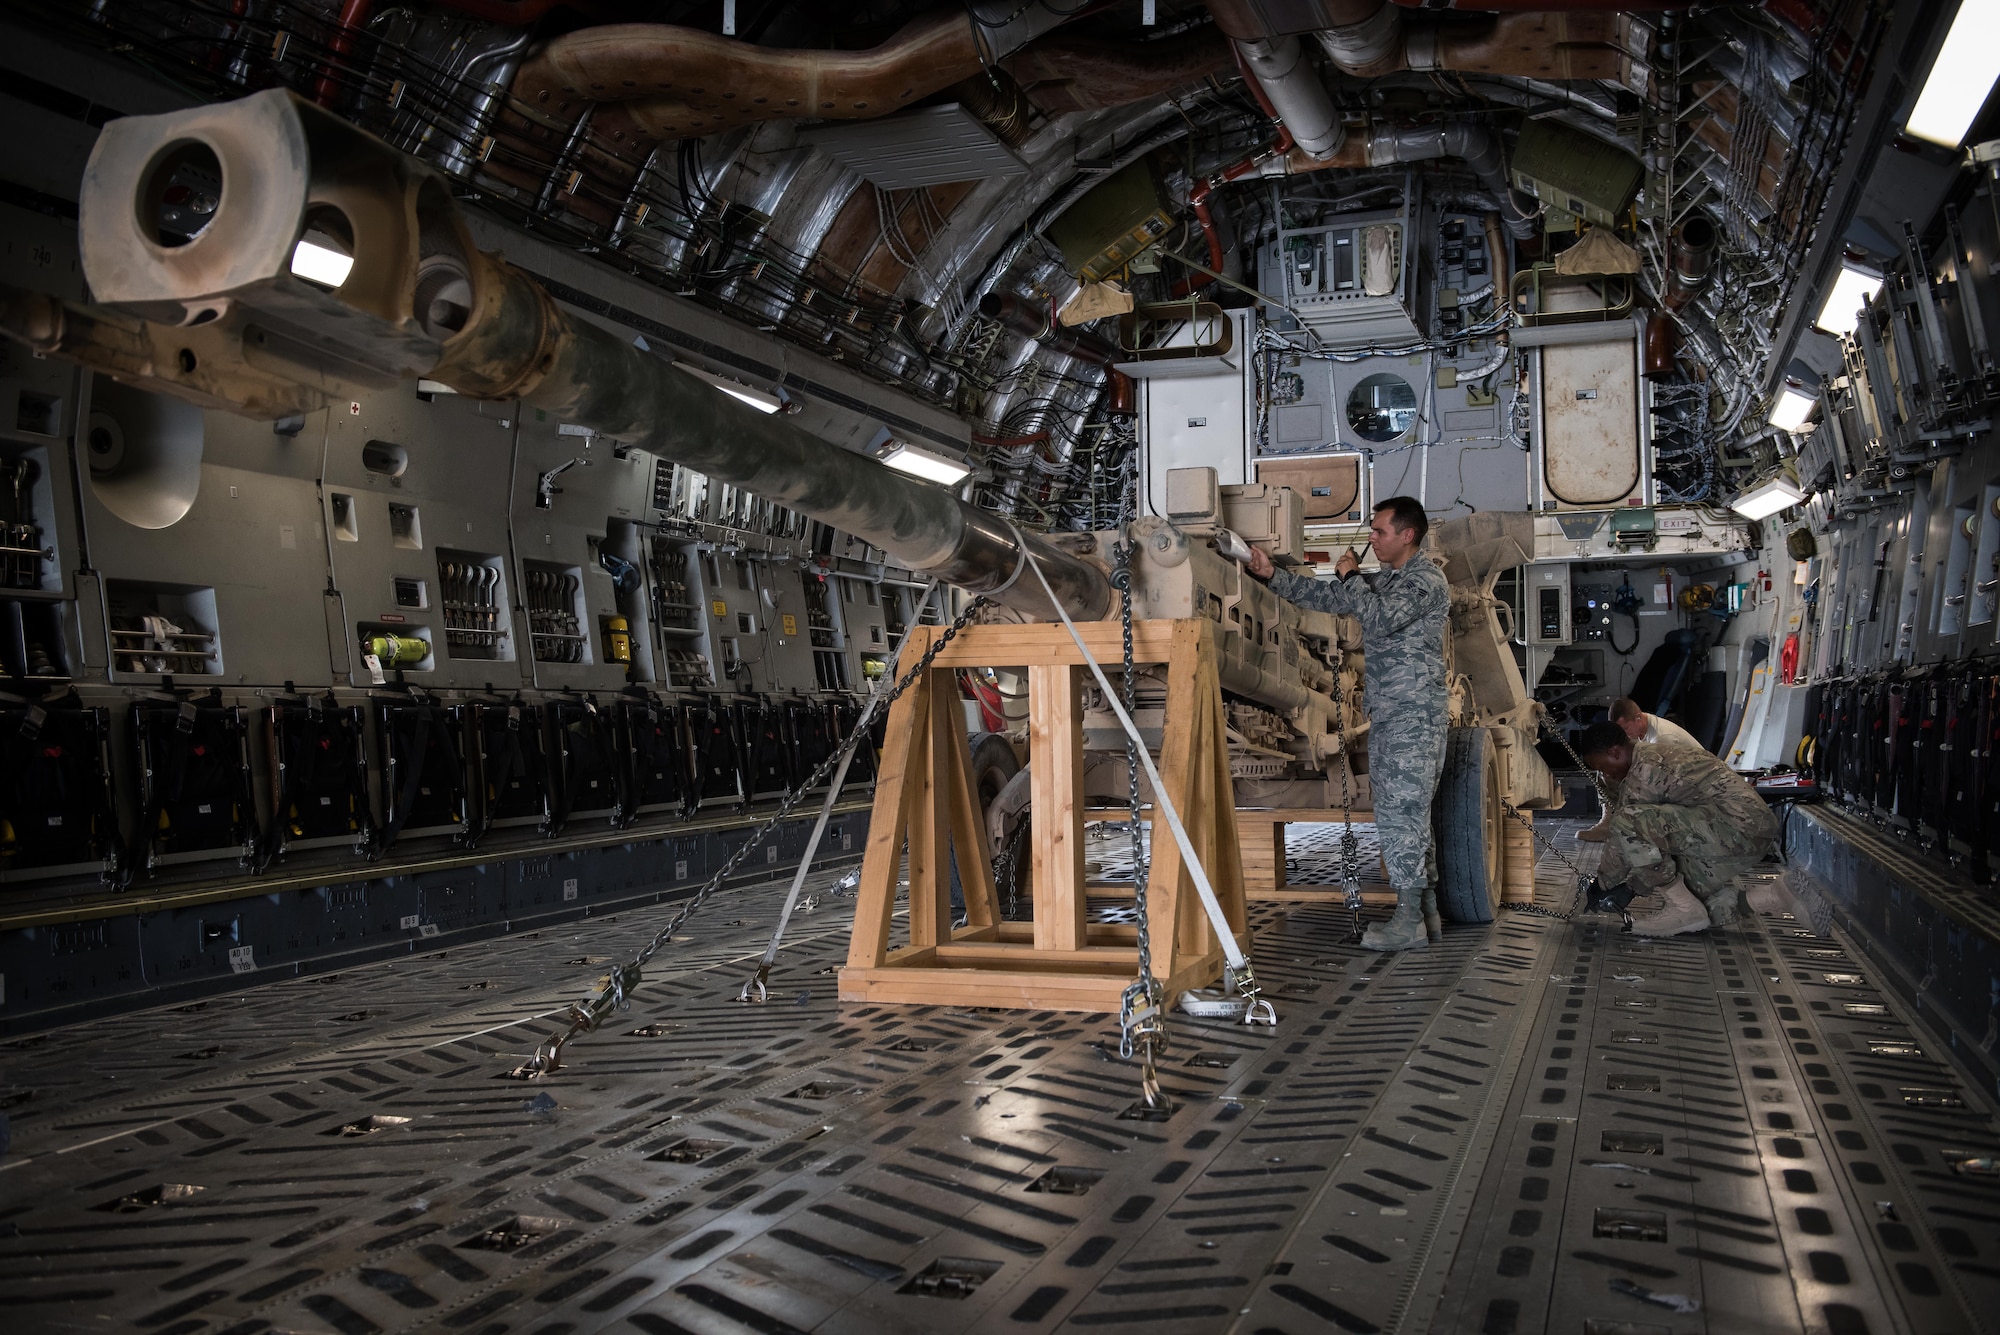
<point x="791" y="624"/>
<point x="721" y="608"/>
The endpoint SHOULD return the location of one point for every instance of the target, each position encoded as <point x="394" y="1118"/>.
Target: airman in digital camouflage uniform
<point x="1685" y="826"/>
<point x="1402" y="611"/>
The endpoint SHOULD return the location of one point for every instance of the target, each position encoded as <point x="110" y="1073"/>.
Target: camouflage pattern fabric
<point x="1402" y="615"/>
<point x="1682" y="812"/>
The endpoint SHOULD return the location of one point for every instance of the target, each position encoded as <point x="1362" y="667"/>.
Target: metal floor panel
<point x="1537" y="1126"/>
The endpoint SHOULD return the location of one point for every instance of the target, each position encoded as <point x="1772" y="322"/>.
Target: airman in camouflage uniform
<point x="1683" y="822"/>
<point x="1402" y="611"/>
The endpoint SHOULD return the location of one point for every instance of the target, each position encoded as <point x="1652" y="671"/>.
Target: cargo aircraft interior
<point x="899" y="667"/>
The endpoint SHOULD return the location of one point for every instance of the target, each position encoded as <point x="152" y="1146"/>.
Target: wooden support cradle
<point x="925" y="795"/>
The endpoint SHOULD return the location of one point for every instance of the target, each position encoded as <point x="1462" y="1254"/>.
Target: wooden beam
<point x="875" y="895"/>
<point x="930" y="810"/>
<point x="1055" y="769"/>
<point x="1167" y="879"/>
<point x="1110" y="959"/>
<point x="1029" y="645"/>
<point x="968" y="831"/>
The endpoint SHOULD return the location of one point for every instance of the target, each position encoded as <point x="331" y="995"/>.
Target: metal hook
<point x="760" y="983"/>
<point x="1153" y="1098"/>
<point x="546" y="1061"/>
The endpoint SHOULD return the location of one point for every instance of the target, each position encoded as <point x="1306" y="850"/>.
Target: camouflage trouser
<point x="1405" y="758"/>
<point x="1652" y="843"/>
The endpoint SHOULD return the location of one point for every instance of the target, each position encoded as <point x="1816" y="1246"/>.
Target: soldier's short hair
<point x="1625" y="707"/>
<point x="1600" y="738"/>
<point x="1406" y="513"/>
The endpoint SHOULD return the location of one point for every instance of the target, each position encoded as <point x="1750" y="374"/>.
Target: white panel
<point x="1193" y="423"/>
<point x="1199" y="421"/>
<point x="1590" y="413"/>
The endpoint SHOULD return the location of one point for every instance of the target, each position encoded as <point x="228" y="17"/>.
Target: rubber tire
<point x="993" y="764"/>
<point x="1466" y="826"/>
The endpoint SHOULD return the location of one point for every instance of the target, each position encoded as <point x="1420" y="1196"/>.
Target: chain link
<point x="1582" y="878"/>
<point x="1350" y="847"/>
<point x="614" y="990"/>
<point x="1142" y="1007"/>
<point x="1005" y="869"/>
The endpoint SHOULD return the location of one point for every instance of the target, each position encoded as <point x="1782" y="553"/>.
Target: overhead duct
<point x="1276" y="63"/>
<point x="1478" y="147"/>
<point x="1294" y="91"/>
<point x="1370" y="38"/>
<point x="1512" y="6"/>
<point x="1065" y="74"/>
<point x="679" y="82"/>
<point x="1693" y="261"/>
<point x="1549" y="45"/>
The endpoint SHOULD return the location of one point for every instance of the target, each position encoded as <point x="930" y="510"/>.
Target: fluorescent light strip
<point x="746" y="396"/>
<point x="1764" y="501"/>
<point x="1789" y="413"/>
<point x="1853" y="289"/>
<point x="321" y="264"/>
<point x="1960" y="78"/>
<point x="930" y="467"/>
<point x="760" y="400"/>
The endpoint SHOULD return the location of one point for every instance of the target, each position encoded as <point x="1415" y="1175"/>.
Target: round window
<point x="1382" y="407"/>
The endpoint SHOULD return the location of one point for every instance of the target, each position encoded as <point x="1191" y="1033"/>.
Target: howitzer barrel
<point x="228" y="323"/>
<point x="588" y="375"/>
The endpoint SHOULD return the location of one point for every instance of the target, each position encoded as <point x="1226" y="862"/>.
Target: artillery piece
<point x="218" y="318"/>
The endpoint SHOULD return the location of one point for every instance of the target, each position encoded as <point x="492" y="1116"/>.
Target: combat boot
<point x="1405" y="928"/>
<point x="1433" y="924"/>
<point x="1682" y="913"/>
<point x="1597" y="833"/>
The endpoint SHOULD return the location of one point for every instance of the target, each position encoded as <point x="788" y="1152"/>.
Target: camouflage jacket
<point x="1679" y="775"/>
<point x="1402" y="615"/>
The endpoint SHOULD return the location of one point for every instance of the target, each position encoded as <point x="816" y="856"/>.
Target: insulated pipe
<point x="1366" y="38"/>
<point x="1478" y="147"/>
<point x="1693" y="261"/>
<point x="1079" y="74"/>
<point x="1537" y="45"/>
<point x="1293" y="91"/>
<point x="1198" y="196"/>
<point x="1033" y="322"/>
<point x="680" y="82"/>
<point x="1275" y="64"/>
<point x="1568" y="6"/>
<point x="1558" y="39"/>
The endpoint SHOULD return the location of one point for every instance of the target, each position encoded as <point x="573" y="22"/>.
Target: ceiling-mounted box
<point x="1125" y="214"/>
<point x="1354" y="282"/>
<point x="929" y="146"/>
<point x="1578" y="173"/>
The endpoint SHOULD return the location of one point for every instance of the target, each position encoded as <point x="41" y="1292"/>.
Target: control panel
<point x="1549" y="603"/>
<point x="1590" y="611"/>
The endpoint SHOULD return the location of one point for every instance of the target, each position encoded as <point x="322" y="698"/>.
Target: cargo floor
<point x="1537" y="1126"/>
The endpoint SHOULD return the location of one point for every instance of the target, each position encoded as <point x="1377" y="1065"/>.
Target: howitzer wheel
<point x="1468" y="828"/>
